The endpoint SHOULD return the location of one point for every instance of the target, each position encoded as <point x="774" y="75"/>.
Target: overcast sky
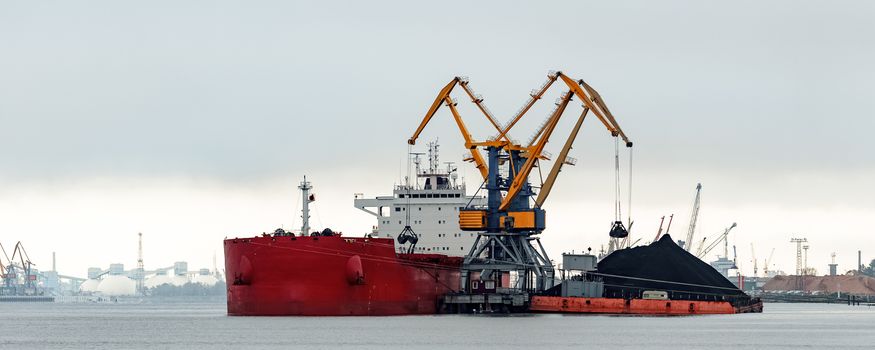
<point x="193" y="121"/>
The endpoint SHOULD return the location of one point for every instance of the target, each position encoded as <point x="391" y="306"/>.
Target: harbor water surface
<point x="152" y="325"/>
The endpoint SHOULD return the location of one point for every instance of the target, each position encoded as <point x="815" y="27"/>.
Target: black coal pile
<point x="665" y="266"/>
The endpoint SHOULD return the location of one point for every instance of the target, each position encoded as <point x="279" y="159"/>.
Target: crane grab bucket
<point x="618" y="230"/>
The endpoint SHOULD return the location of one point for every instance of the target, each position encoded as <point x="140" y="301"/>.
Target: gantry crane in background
<point x="800" y="284"/>
<point x="508" y="226"/>
<point x="5" y="262"/>
<point x="694" y="217"/>
<point x="18" y="274"/>
<point x="766" y="263"/>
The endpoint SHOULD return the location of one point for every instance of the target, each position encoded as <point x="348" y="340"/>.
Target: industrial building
<point x="21" y="280"/>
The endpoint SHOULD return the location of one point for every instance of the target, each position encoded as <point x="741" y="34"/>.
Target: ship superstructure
<point x="429" y="205"/>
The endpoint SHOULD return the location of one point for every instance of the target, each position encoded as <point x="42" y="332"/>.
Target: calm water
<point x="205" y="326"/>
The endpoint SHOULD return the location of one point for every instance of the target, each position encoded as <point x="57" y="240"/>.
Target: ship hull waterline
<point x="644" y="307"/>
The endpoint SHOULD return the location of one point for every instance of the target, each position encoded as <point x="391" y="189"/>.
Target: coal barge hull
<point x="658" y="279"/>
<point x="333" y="276"/>
<point x="617" y="306"/>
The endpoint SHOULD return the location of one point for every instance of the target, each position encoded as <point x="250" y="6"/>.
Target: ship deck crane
<point x="508" y="225"/>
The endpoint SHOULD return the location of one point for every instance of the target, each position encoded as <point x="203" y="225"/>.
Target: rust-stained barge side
<point x="657" y="279"/>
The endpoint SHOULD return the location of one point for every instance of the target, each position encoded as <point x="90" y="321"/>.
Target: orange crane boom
<point x="559" y="161"/>
<point x="443" y="97"/>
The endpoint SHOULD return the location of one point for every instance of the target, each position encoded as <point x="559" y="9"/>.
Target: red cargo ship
<point x="326" y="274"/>
<point x="333" y="276"/>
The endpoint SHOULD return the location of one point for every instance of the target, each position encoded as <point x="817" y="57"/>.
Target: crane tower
<point x="799" y="267"/>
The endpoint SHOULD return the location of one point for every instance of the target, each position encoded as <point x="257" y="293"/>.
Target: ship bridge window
<point x="397" y="208"/>
<point x="400" y="195"/>
<point x="429" y="195"/>
<point x="444" y="195"/>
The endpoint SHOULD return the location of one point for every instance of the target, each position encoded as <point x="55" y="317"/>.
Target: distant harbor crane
<point x="799" y="267"/>
<point x="694" y="216"/>
<point x="702" y="252"/>
<point x="766" y="263"/>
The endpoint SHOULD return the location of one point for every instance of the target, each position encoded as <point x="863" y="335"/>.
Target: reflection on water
<point x="205" y="326"/>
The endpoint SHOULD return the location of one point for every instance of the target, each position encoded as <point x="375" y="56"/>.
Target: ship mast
<point x="305" y="188"/>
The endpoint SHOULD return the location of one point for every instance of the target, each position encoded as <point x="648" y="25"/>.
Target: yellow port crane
<point x="533" y="152"/>
<point x="508" y="223"/>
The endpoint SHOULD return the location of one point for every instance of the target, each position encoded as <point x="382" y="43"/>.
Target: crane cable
<point x="618" y="212"/>
<point x="407" y="234"/>
<point x="629" y="203"/>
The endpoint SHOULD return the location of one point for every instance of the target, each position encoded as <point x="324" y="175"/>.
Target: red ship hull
<point x="618" y="306"/>
<point x="333" y="276"/>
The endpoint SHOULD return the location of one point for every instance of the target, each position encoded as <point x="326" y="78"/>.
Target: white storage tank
<point x="89" y="286"/>
<point x="157" y="280"/>
<point x="115" y="285"/>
